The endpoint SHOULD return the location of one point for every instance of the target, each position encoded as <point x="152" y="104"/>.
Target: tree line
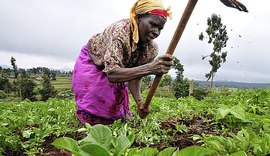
<point x="21" y="83"/>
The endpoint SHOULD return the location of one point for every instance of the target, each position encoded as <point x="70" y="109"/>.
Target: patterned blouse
<point x="113" y="48"/>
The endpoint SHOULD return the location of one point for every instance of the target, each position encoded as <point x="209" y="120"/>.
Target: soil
<point x="195" y="126"/>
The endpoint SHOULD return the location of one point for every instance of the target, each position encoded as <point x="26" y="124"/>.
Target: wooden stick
<point x="176" y="37"/>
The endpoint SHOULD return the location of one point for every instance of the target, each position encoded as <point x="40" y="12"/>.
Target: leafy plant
<point x="98" y="141"/>
<point x="25" y="125"/>
<point x="245" y="141"/>
<point x="226" y="126"/>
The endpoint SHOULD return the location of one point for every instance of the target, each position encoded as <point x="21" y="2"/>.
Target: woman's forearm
<point x="128" y="74"/>
<point x="135" y="90"/>
<point x="161" y="65"/>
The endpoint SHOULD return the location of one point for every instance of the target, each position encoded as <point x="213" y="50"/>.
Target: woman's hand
<point x="142" y="110"/>
<point x="235" y="4"/>
<point x="162" y="64"/>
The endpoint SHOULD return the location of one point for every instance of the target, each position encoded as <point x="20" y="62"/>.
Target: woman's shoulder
<point x="119" y="29"/>
<point x="121" y="24"/>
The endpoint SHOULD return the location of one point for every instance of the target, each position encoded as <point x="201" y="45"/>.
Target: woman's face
<point x="149" y="27"/>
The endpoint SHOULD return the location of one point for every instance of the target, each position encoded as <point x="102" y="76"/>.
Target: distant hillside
<point x="65" y="69"/>
<point x="231" y="84"/>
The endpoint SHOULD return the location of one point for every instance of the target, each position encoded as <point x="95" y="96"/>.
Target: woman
<point x="124" y="52"/>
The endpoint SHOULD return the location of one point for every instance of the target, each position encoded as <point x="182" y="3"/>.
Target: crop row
<point x="224" y="123"/>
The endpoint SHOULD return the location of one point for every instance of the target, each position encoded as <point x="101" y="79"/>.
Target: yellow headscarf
<point x="143" y="7"/>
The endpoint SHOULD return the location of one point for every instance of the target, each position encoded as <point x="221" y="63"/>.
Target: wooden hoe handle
<point x="176" y="37"/>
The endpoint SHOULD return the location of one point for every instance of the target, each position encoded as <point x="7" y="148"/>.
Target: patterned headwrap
<point x="146" y="6"/>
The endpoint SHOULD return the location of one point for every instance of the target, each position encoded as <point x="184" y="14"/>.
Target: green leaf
<point x="222" y="112"/>
<point x="239" y="153"/>
<point x="122" y="143"/>
<point x="132" y="151"/>
<point x="101" y="135"/>
<point x="257" y="149"/>
<point x="4" y="124"/>
<point x="88" y="126"/>
<point x="238" y="112"/>
<point x="193" y="150"/>
<point x="93" y="150"/>
<point x="86" y="140"/>
<point x="148" y="151"/>
<point x="216" y="144"/>
<point x="123" y="130"/>
<point x="67" y="144"/>
<point x="82" y="130"/>
<point x="167" y="152"/>
<point x="131" y="138"/>
<point x="27" y="134"/>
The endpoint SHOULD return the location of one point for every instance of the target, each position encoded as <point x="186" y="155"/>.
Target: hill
<point x="232" y="84"/>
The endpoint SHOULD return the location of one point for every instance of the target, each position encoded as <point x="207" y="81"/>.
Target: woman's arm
<point x="159" y="66"/>
<point x="135" y="90"/>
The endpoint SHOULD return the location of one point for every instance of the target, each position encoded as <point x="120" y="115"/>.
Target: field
<point x="60" y="83"/>
<point x="224" y="123"/>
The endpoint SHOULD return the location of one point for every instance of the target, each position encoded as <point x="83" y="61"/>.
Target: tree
<point x="217" y="35"/>
<point x="18" y="85"/>
<point x="180" y="85"/>
<point x="145" y="82"/>
<point x="6" y="72"/>
<point x="166" y="80"/>
<point x="53" y="76"/>
<point x="24" y="73"/>
<point x="28" y="87"/>
<point x="13" y="63"/>
<point x="5" y="84"/>
<point x="46" y="71"/>
<point x="48" y="90"/>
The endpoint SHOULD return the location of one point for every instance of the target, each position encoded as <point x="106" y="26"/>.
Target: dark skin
<point x="235" y="4"/>
<point x="149" y="27"/>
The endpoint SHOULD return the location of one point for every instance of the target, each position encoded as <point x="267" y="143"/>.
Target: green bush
<point x="5" y="84"/>
<point x="65" y="94"/>
<point x="3" y="95"/>
<point x="165" y="91"/>
<point x="200" y="93"/>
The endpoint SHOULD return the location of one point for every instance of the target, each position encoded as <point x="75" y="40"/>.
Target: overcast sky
<point x="51" y="33"/>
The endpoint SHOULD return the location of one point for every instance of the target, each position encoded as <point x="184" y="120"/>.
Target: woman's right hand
<point x="162" y="64"/>
<point x="142" y="110"/>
